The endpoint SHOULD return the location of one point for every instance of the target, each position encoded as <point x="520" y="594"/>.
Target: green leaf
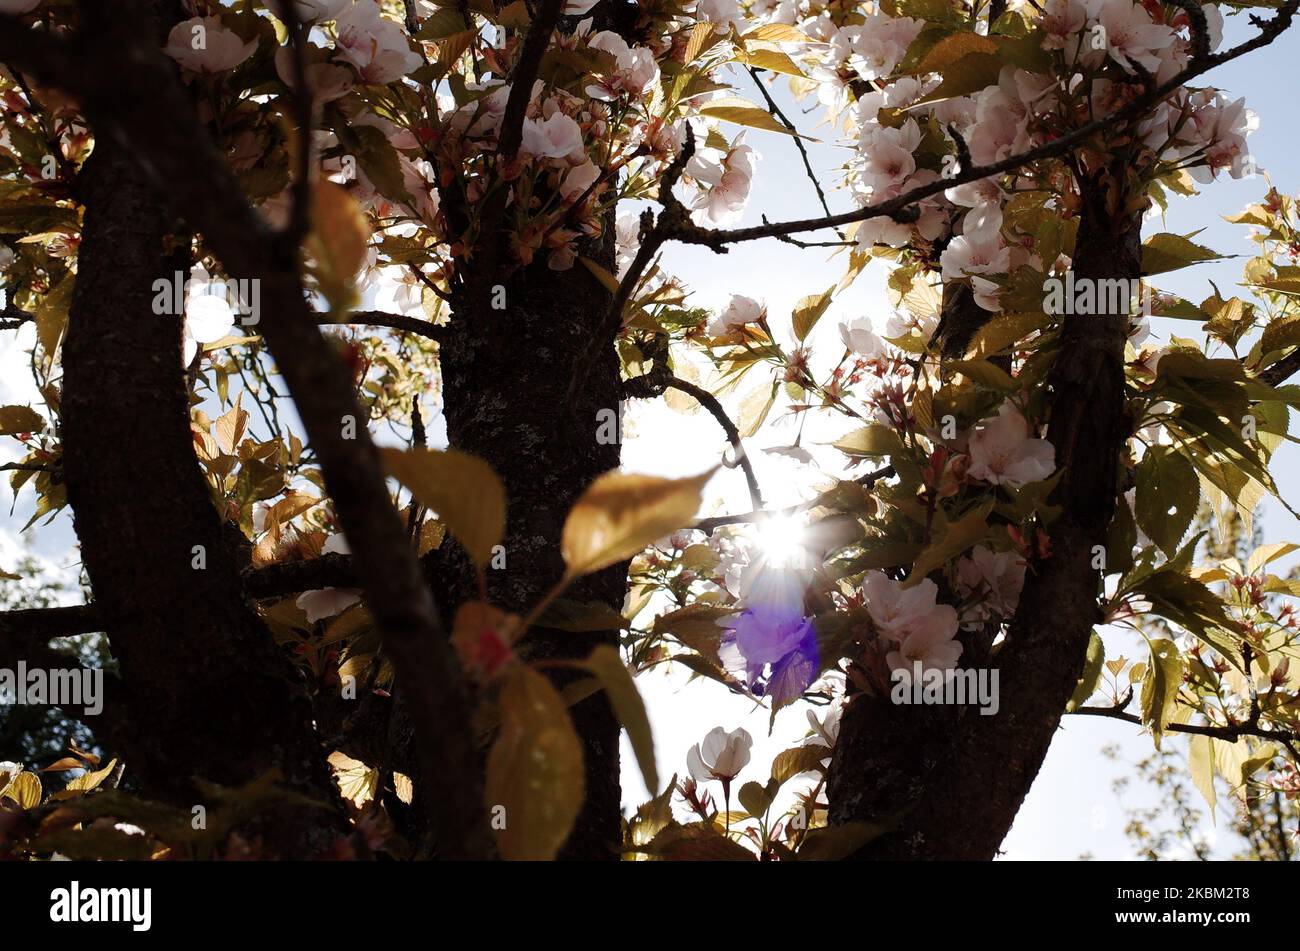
<point x="1003" y="331"/>
<point x="1169" y="252"/>
<point x="971" y="73"/>
<point x="959" y="536"/>
<point x="833" y="843"/>
<point x="563" y="614"/>
<point x="379" y="160"/>
<point x="601" y="273"/>
<point x="1168" y="494"/>
<point x="1160" y="686"/>
<point x="808" y="311"/>
<point x="1092" y="667"/>
<point x="754" y="798"/>
<point x="20" y="419"/>
<point x="620" y="514"/>
<point x="1200" y="762"/>
<point x="799" y="759"/>
<point x="32" y="218"/>
<point x="694" y="843"/>
<point x="613" y="674"/>
<point x="462" y="488"/>
<point x="952" y="48"/>
<point x="534" y="769"/>
<point x="743" y="112"/>
<point x="774" y="61"/>
<point x="1192" y="606"/>
<point x="695" y="625"/>
<point x="1280" y="334"/>
<point x="985" y="374"/>
<point x="875" y="439"/>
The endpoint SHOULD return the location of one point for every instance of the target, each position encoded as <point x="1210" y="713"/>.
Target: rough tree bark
<point x="207" y="693"/>
<point x="950" y="781"/>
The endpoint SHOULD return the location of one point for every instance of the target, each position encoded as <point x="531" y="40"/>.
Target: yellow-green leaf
<point x="809" y="310"/>
<point x="984" y="373"/>
<point x="534" y="771"/>
<point x="1092" y="667"/>
<point x="25" y="789"/>
<point x="1160" y="686"/>
<point x="1200" y="762"/>
<point x="88" y="781"/>
<point x="620" y="514"/>
<point x="20" y="419"/>
<point x="961" y="535"/>
<point x="340" y="236"/>
<point x="461" y="488"/>
<point x="600" y="273"/>
<point x="614" y="676"/>
<point x="743" y="112"/>
<point x="1169" y="252"/>
<point x="952" y="48"/>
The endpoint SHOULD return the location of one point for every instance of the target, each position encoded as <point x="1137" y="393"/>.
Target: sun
<point x="781" y="540"/>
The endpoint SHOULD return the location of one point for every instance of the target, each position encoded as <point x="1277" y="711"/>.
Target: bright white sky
<point x="1071" y="809"/>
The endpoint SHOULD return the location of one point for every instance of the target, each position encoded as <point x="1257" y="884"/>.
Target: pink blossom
<point x="741" y="311"/>
<point x="723" y="13"/>
<point x="1002" y="451"/>
<point x="874" y="48"/>
<point x="721" y="755"/>
<point x="859" y="338"/>
<point x="931" y="645"/>
<point x="578" y="179"/>
<point x="326" y="602"/>
<point x="978" y="250"/>
<point x="911" y="622"/>
<point x="1128" y="35"/>
<point x="203" y="45"/>
<point x="1061" y="19"/>
<point x="313" y="11"/>
<point x="375" y="45"/>
<point x="327" y="81"/>
<point x="996" y="579"/>
<point x="635" y="68"/>
<point x="897" y="610"/>
<point x="558" y="138"/>
<point x="728" y="179"/>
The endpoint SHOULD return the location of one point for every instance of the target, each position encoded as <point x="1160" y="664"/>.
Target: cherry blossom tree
<point x="339" y="648"/>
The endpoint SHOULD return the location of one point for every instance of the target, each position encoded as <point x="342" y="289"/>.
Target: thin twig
<point x="709" y="525"/>
<point x="660" y="382"/>
<point x="794" y="135"/>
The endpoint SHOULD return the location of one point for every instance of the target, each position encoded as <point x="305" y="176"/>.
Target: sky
<point x="1071" y="808"/>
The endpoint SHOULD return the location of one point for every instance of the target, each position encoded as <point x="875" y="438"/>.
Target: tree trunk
<point x="207" y="692"/>
<point x="949" y="780"/>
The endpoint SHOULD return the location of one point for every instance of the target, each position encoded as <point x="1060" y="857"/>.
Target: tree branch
<point x="709" y="525"/>
<point x="379" y="318"/>
<point x="710" y="403"/>
<point x="718" y="239"/>
<point x="1284" y="369"/>
<point x="1228" y="733"/>
<point x="794" y="134"/>
<point x="523" y="76"/>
